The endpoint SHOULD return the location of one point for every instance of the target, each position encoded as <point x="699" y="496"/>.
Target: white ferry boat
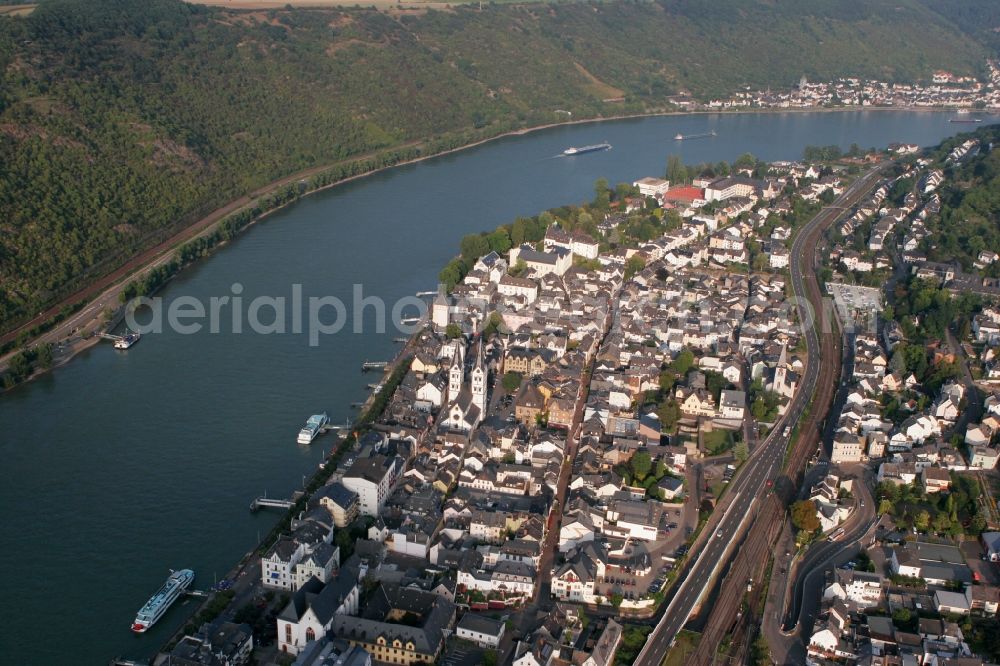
<point x="160" y="602"/>
<point x="312" y="428"/>
<point x="127" y="340"/>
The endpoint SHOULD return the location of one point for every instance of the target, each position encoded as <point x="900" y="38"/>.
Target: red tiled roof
<point x="684" y="194"/>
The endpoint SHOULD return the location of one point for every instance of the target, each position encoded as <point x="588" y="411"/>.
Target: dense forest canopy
<point x="123" y="120"/>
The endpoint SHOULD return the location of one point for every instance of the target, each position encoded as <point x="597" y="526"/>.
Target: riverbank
<point x="189" y="428"/>
<point x="103" y="294"/>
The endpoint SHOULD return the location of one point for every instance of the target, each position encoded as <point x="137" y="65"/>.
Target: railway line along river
<point x="122" y="465"/>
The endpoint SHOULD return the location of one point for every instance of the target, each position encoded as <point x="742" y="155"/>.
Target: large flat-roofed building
<point x="652" y="187"/>
<point x="372" y="479"/>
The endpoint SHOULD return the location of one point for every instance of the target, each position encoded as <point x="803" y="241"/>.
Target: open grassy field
<point x="687" y="643"/>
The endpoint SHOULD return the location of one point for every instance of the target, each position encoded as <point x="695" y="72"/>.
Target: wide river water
<point x="122" y="465"/>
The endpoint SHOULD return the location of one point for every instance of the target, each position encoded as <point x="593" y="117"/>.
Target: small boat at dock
<point x="127" y="340"/>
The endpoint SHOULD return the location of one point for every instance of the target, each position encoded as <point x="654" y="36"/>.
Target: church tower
<point x="456" y="374"/>
<point x="781" y="370"/>
<point x="479" y="381"/>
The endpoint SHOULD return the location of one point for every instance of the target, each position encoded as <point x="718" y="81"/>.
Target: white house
<point x="732" y="405"/>
<point x="433" y="390"/>
<point x="373" y="479"/>
<point x="277" y="565"/>
<point x="515" y="286"/>
<point x="652" y="187"/>
<point x="484" y="631"/>
<point x="558" y="261"/>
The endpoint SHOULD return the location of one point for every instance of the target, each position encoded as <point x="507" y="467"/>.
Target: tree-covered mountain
<point x="124" y="120"/>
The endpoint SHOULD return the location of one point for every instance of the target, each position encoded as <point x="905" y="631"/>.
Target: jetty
<point x="266" y="502"/>
<point x="336" y="426"/>
<point x="373" y="365"/>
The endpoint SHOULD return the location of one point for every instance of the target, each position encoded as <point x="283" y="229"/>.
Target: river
<point x="122" y="465"/>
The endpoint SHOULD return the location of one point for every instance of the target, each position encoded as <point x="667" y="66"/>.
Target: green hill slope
<point x="123" y="120"/>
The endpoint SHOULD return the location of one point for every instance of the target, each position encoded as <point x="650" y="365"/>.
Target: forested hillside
<point x="969" y="221"/>
<point x="123" y="120"/>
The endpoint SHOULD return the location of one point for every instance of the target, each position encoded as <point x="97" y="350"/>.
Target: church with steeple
<point x="467" y="401"/>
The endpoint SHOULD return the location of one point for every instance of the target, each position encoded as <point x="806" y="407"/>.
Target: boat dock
<point x="373" y="365"/>
<point x="266" y="502"/>
<point x="111" y="336"/>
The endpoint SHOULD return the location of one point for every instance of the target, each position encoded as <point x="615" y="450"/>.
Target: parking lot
<point x="637" y="578"/>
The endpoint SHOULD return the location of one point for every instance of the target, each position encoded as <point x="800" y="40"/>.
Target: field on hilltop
<point x="122" y="121"/>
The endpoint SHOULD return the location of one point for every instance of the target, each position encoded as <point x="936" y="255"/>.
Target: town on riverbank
<point x="537" y="470"/>
<point x="56" y="335"/>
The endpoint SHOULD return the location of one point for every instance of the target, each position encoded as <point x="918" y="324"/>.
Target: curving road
<point x="748" y="489"/>
<point x="818" y="559"/>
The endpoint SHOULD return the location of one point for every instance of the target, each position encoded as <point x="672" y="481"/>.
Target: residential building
<point x="484" y="631"/>
<point x="373" y="479"/>
<point x="342" y="503"/>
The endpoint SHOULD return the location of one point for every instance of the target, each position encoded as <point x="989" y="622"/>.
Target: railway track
<point x="765" y="528"/>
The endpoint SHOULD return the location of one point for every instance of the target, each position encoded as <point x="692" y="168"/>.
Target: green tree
<point x="745" y="161"/>
<point x="512" y="381"/>
<point x="672" y="220"/>
<point x="499" y="241"/>
<point x="677" y="173"/>
<point x="885" y="507"/>
<point x="683" y="362"/>
<point x="45" y="356"/>
<point x="760" y="653"/>
<point x="474" y="246"/>
<point x="922" y="520"/>
<point x="633" y="265"/>
<point x="451" y="275"/>
<point x="602" y="195"/>
<point x="669" y="413"/>
<point x="740" y="451"/>
<point x="345" y="542"/>
<point x="494" y="324"/>
<point x="642" y="464"/>
<point x="616" y="599"/>
<point x="20" y="365"/>
<point x="453" y="331"/>
<point x="668" y="378"/>
<point x="804" y="516"/>
<point x="941" y="522"/>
